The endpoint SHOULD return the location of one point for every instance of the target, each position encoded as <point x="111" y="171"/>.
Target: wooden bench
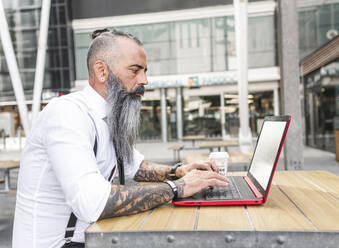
<point x="176" y="151"/>
<point x="7" y="166"/>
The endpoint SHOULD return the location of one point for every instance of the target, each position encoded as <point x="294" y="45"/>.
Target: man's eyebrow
<point x="139" y="66"/>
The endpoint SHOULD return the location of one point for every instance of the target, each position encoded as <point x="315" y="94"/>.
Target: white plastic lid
<point x="218" y="155"/>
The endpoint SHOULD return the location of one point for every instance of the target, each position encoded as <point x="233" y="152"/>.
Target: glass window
<point x="3" y="65"/>
<point x="150" y="124"/>
<point x="324" y="18"/>
<point x="158" y="46"/>
<point x="6" y="83"/>
<point x="28" y="39"/>
<point x="317" y="25"/>
<point x="63" y="34"/>
<point x="81" y="64"/>
<point x="223" y="44"/>
<point x="29" y="60"/>
<point x="261" y="42"/>
<point x="27" y="80"/>
<point x="193" y="46"/>
<point x="307" y="33"/>
<point x="25" y="19"/>
<point x="65" y="58"/>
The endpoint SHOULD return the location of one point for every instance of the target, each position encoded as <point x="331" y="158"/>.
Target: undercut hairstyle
<point x="104" y="46"/>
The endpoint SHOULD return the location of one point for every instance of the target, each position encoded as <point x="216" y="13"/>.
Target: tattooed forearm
<point x="125" y="200"/>
<point x="180" y="183"/>
<point x="149" y="172"/>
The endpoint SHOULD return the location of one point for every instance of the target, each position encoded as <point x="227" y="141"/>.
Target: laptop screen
<point x="266" y="151"/>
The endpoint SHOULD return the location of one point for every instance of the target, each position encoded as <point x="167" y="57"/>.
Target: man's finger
<point x="216" y="182"/>
<point x="211" y="175"/>
<point x="213" y="166"/>
<point x="203" y="166"/>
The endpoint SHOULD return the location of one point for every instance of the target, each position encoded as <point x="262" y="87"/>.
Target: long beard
<point x="123" y="117"/>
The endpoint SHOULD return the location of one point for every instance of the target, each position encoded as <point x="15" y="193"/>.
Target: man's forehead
<point x="132" y="52"/>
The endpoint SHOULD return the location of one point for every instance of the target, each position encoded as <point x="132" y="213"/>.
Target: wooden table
<point x="6" y="166"/>
<point x="236" y="159"/>
<point x="218" y="144"/>
<point x="302" y="211"/>
<point x="194" y="138"/>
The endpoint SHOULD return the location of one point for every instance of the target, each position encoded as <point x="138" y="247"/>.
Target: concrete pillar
<point x="276" y="101"/>
<point x="288" y="44"/>
<point x="163" y="115"/>
<point x="13" y="70"/>
<point x="41" y="57"/>
<point x="241" y="36"/>
<point x="179" y="114"/>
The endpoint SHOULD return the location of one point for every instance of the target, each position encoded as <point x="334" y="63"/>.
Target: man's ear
<point x="100" y="71"/>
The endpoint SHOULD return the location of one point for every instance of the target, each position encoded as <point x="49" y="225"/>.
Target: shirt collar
<point x="95" y="101"/>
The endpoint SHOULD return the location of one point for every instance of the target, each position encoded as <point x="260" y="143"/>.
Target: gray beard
<point x="123" y="117"/>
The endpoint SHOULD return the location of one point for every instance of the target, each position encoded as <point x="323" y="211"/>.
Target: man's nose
<point x="142" y="79"/>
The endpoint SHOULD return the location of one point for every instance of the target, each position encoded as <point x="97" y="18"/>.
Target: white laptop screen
<point x="266" y="151"/>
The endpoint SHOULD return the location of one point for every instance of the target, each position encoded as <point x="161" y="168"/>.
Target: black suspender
<point x="121" y="171"/>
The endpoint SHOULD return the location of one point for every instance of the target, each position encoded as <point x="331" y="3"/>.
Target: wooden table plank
<point x="169" y="217"/>
<point x="194" y="137"/>
<point x="123" y="223"/>
<point x="319" y="207"/>
<point x="235" y="157"/>
<point x="216" y="144"/>
<point x="223" y="218"/>
<point x="278" y="213"/>
<point x="325" y="180"/>
<point x="9" y="164"/>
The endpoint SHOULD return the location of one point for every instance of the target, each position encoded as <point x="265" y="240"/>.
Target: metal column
<point x="13" y="69"/>
<point x="222" y="115"/>
<point x="163" y="115"/>
<point x="241" y="23"/>
<point x="290" y="82"/>
<point x="179" y="113"/>
<point x="41" y="57"/>
<point x="276" y="101"/>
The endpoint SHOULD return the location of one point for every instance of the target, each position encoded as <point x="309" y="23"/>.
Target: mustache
<point x="140" y="90"/>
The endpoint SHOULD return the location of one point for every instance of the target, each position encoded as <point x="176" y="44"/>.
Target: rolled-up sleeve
<point x="69" y="143"/>
<point x="131" y="169"/>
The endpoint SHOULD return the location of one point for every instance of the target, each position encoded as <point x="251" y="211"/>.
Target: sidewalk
<point x="314" y="159"/>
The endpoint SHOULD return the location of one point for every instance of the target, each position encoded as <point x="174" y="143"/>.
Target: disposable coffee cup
<point x="221" y="161"/>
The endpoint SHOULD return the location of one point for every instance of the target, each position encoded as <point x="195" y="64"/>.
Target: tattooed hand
<point x="197" y="180"/>
<point x="203" y="165"/>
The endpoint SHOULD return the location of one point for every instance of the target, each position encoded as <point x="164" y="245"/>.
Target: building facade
<point x="192" y="64"/>
<point x="191" y="55"/>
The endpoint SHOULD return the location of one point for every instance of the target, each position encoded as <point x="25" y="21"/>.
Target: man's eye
<point x="135" y="71"/>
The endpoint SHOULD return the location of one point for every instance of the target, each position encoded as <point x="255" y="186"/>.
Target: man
<point x="71" y="156"/>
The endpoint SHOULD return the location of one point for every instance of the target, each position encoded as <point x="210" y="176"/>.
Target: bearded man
<point x="78" y="141"/>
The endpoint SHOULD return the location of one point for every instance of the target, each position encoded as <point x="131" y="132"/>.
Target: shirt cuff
<point x="131" y="169"/>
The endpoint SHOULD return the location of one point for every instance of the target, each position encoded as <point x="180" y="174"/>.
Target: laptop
<point x="253" y="188"/>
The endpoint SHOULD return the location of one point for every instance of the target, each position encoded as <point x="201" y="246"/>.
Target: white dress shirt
<point x="60" y="174"/>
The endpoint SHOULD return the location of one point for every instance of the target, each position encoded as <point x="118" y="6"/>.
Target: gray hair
<point x="104" y="44"/>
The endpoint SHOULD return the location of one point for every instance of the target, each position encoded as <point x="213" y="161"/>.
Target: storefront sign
<point x="191" y="81"/>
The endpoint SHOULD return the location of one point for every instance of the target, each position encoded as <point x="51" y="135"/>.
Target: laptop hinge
<point x="253" y="188"/>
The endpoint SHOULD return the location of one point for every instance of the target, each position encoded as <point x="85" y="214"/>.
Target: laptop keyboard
<point x="223" y="193"/>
